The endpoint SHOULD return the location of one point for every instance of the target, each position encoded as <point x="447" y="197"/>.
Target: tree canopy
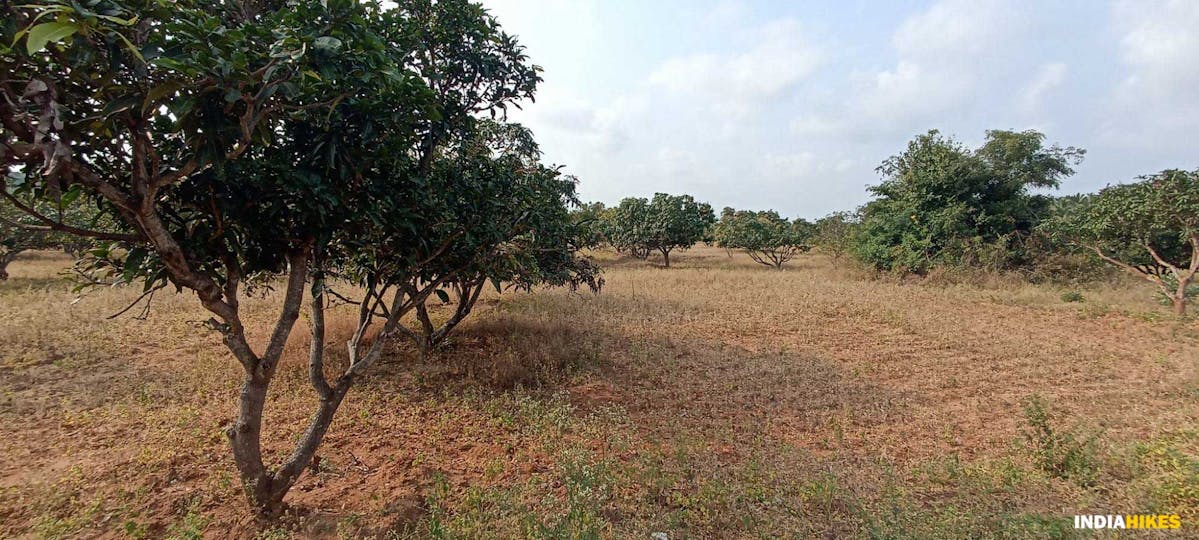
<point x="835" y="233"/>
<point x="663" y="224"/>
<point x="231" y="142"/>
<point x="1148" y="228"/>
<point x="942" y="203"/>
<point x="768" y="238"/>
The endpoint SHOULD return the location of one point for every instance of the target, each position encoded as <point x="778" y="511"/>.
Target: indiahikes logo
<point x="1128" y="521"/>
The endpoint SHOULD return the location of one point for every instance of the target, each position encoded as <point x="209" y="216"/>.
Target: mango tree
<point x="768" y="238"/>
<point x="676" y="222"/>
<point x="834" y="234"/>
<point x="628" y="224"/>
<point x="1149" y="229"/>
<point x="514" y="227"/>
<point x="234" y="142"/>
<point x="591" y="221"/>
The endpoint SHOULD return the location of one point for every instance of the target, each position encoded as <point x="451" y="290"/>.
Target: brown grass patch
<point x="717" y="398"/>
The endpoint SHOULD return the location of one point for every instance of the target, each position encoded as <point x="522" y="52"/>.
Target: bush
<point x="941" y="203"/>
<point x="1062" y="454"/>
<point x="1072" y="296"/>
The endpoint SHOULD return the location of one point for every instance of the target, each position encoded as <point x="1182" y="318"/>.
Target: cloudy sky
<point x="791" y="105"/>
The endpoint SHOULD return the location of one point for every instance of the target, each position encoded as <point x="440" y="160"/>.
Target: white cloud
<point x="1048" y="79"/>
<point x="1160" y="46"/>
<point x="736" y="82"/>
<point x="1155" y="106"/>
<point x="795" y="114"/>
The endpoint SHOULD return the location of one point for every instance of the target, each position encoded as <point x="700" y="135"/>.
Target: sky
<point x="791" y="105"/>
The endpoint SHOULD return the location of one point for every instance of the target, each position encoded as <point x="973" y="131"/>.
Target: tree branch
<point x="58" y="226"/>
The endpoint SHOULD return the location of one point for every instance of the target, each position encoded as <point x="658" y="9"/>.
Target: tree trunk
<point x="1180" y="296"/>
<point x="4" y="260"/>
<point x="245" y="436"/>
<point x="264" y="489"/>
<point x="666" y="257"/>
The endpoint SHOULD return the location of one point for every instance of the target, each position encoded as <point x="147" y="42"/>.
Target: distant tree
<point x="834" y="234"/>
<point x="590" y="220"/>
<point x="30" y="224"/>
<point x="715" y="233"/>
<point x="15" y="238"/>
<point x="1149" y="229"/>
<point x="665" y="223"/>
<point x="628" y="227"/>
<point x="941" y="203"/>
<point x="676" y="222"/>
<point x="767" y="238"/>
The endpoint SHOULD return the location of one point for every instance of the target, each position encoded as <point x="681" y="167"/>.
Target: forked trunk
<point x="666" y="257"/>
<point x="265" y="489"/>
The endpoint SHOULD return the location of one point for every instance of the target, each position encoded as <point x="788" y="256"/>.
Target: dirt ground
<point x="714" y="399"/>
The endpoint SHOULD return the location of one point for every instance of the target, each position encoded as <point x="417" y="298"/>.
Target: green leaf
<point x="132" y="49"/>
<point x="445" y="298"/>
<point x="158" y="92"/>
<point x="122" y="104"/>
<point x="42" y="34"/>
<point x="327" y="44"/>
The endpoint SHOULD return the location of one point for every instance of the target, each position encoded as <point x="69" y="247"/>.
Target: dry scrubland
<point x="715" y="399"/>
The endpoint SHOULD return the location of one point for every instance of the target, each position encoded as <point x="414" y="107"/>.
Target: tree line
<point x="941" y="204"/>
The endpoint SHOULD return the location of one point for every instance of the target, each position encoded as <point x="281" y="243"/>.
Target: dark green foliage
<point x="1148" y="228"/>
<point x="663" y="224"/>
<point x="768" y="238"/>
<point x="591" y="221"/>
<point x="941" y="203"/>
<point x="628" y="226"/>
<point x="231" y="142"/>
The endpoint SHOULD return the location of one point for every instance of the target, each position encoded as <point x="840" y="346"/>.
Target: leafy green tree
<point x="234" y="142"/>
<point x="667" y="222"/>
<point x="1148" y="228"/>
<point x="628" y="227"/>
<point x="767" y="238"/>
<point x="591" y="221"/>
<point x="515" y="227"/>
<point x="941" y="203"/>
<point x="676" y="222"/>
<point x="835" y="234"/>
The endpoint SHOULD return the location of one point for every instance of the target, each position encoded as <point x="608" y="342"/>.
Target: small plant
<point x="586" y="493"/>
<point x="1058" y="453"/>
<point x="190" y="528"/>
<point x="1072" y="296"/>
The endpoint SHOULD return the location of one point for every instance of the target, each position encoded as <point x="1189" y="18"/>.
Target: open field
<point x="717" y="398"/>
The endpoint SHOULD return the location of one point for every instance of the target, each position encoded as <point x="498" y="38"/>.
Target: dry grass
<point x="717" y="398"/>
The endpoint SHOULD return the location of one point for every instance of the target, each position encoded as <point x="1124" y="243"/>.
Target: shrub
<point x="1058" y="453"/>
<point x="1072" y="296"/>
<point x="941" y="203"/>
